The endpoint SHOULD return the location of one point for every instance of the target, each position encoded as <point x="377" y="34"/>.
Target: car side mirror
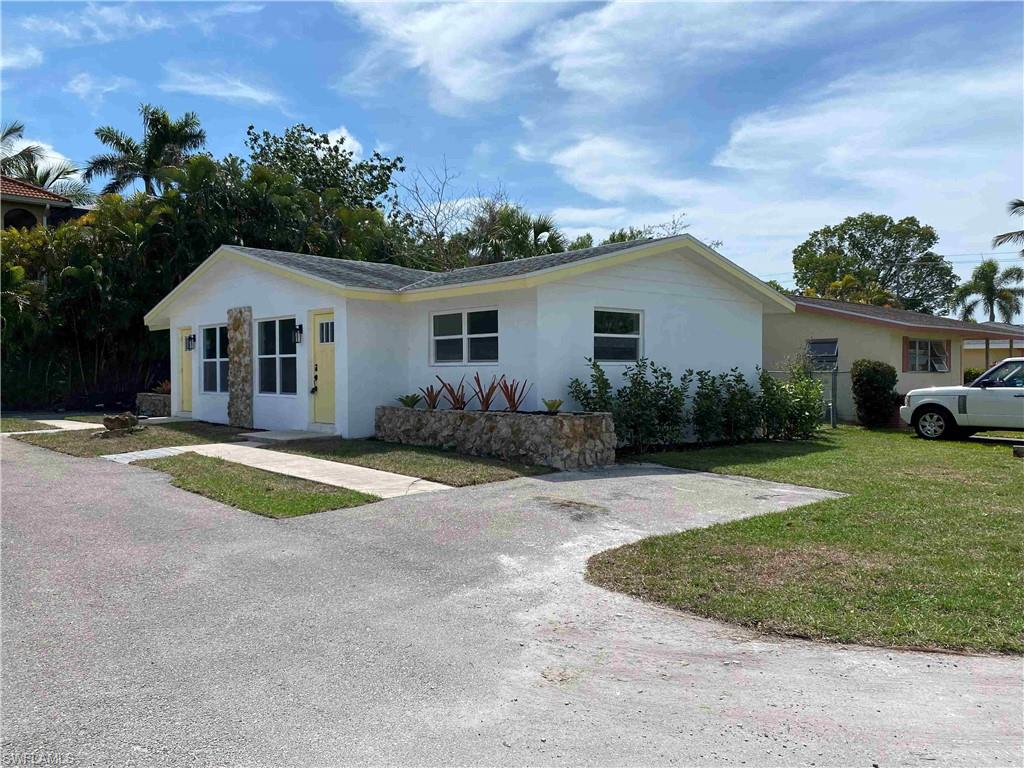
<point x="984" y="383"/>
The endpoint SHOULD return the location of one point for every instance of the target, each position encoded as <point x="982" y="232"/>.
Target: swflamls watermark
<point x="34" y="757"/>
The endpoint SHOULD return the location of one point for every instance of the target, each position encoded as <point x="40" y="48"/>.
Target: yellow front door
<point x="185" y="370"/>
<point x="323" y="367"/>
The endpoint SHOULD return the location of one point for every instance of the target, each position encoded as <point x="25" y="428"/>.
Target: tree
<point x="11" y="159"/>
<point x="776" y="285"/>
<point x="627" y="235"/>
<point x="165" y="142"/>
<point x="503" y="231"/>
<point x="894" y="256"/>
<point x="993" y="292"/>
<point x="61" y="178"/>
<point x="437" y="213"/>
<point x="1014" y="208"/>
<point x="852" y="290"/>
<point x="586" y="240"/>
<point x="319" y="164"/>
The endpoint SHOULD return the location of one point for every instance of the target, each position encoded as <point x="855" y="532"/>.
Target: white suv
<point x="995" y="400"/>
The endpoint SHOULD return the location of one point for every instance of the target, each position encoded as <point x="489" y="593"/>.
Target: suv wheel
<point x="933" y="424"/>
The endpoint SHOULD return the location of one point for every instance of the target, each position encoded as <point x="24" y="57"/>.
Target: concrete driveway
<point x="145" y="625"/>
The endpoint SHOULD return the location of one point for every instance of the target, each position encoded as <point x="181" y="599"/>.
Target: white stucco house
<point x="278" y="340"/>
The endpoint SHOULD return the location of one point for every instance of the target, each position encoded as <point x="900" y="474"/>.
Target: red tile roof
<point x="15" y="188"/>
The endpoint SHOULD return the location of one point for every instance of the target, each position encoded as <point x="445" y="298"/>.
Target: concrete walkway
<point x="384" y="484"/>
<point x="57" y="425"/>
<point x="69" y="424"/>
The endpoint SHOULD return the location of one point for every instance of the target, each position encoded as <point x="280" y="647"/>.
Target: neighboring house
<point x="924" y="349"/>
<point x="288" y="341"/>
<point x="974" y="349"/>
<point x="24" y="205"/>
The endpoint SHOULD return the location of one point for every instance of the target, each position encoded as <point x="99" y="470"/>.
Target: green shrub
<point x="772" y="405"/>
<point x="805" y="404"/>
<point x="649" y="409"/>
<point x="597" y="396"/>
<point x="874" y="391"/>
<point x="741" y="418"/>
<point x="708" y="407"/>
<point x="970" y="374"/>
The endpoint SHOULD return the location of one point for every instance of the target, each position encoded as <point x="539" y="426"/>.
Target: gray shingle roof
<point x="518" y="267"/>
<point x="353" y="274"/>
<point x="902" y="316"/>
<point x="365" y="274"/>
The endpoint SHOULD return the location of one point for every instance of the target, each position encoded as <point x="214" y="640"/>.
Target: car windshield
<point x="1009" y="374"/>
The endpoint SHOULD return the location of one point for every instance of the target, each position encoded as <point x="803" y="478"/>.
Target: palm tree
<point x="165" y="142"/>
<point x="993" y="292"/>
<point x="10" y="159"/>
<point x="1014" y="208"/>
<point x="61" y="178"/>
<point x="504" y="232"/>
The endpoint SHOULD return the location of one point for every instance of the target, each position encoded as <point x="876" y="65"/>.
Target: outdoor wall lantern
<point x="298" y="333"/>
<point x="190" y="342"/>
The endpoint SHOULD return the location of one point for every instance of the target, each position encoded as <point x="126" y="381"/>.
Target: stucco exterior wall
<point x="691" y="318"/>
<point x="231" y="284"/>
<point x="974" y="357"/>
<point x="786" y="335"/>
<point x="37" y="210"/>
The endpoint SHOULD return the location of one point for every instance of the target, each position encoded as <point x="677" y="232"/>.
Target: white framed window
<point x="275" y="353"/>
<point x="215" y="358"/>
<point x="928" y="356"/>
<point x="618" y="335"/>
<point x="466" y="336"/>
<point x="326" y="331"/>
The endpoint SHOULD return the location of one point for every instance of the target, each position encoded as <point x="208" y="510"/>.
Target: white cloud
<point x="92" y="90"/>
<point x="629" y="50"/>
<point x="465" y="51"/>
<point x="218" y="85"/>
<point x="98" y="23"/>
<point x="475" y="53"/>
<point x="23" y="58"/>
<point x="942" y="146"/>
<point x="350" y="142"/>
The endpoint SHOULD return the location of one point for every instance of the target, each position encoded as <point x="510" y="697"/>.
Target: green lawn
<point x="15" y="424"/>
<point x="254" y="490"/>
<point x="427" y="463"/>
<point x="81" y="442"/>
<point x="926" y="552"/>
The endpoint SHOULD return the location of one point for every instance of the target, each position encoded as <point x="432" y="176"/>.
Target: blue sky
<point x="760" y="121"/>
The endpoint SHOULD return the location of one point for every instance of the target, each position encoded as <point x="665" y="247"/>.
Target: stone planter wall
<point x="562" y="441"/>
<point x="153" y="404"/>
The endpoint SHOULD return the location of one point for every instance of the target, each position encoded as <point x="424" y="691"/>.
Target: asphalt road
<point x="143" y="625"/>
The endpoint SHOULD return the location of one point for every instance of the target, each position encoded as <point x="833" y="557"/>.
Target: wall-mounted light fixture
<point x="298" y="334"/>
<point x="190" y="342"/>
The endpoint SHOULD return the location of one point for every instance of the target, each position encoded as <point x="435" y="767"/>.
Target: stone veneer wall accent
<point x="153" y="404"/>
<point x="562" y="441"/>
<point x="240" y="367"/>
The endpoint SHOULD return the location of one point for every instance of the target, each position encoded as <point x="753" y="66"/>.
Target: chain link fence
<point x="836" y="394"/>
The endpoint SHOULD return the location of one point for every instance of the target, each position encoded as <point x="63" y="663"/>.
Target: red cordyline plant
<point x="431" y="397"/>
<point x="484" y="395"/>
<point x="514" y="392"/>
<point x="456" y="396"/>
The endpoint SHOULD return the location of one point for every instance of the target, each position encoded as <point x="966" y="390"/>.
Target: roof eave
<point x="967" y="333"/>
